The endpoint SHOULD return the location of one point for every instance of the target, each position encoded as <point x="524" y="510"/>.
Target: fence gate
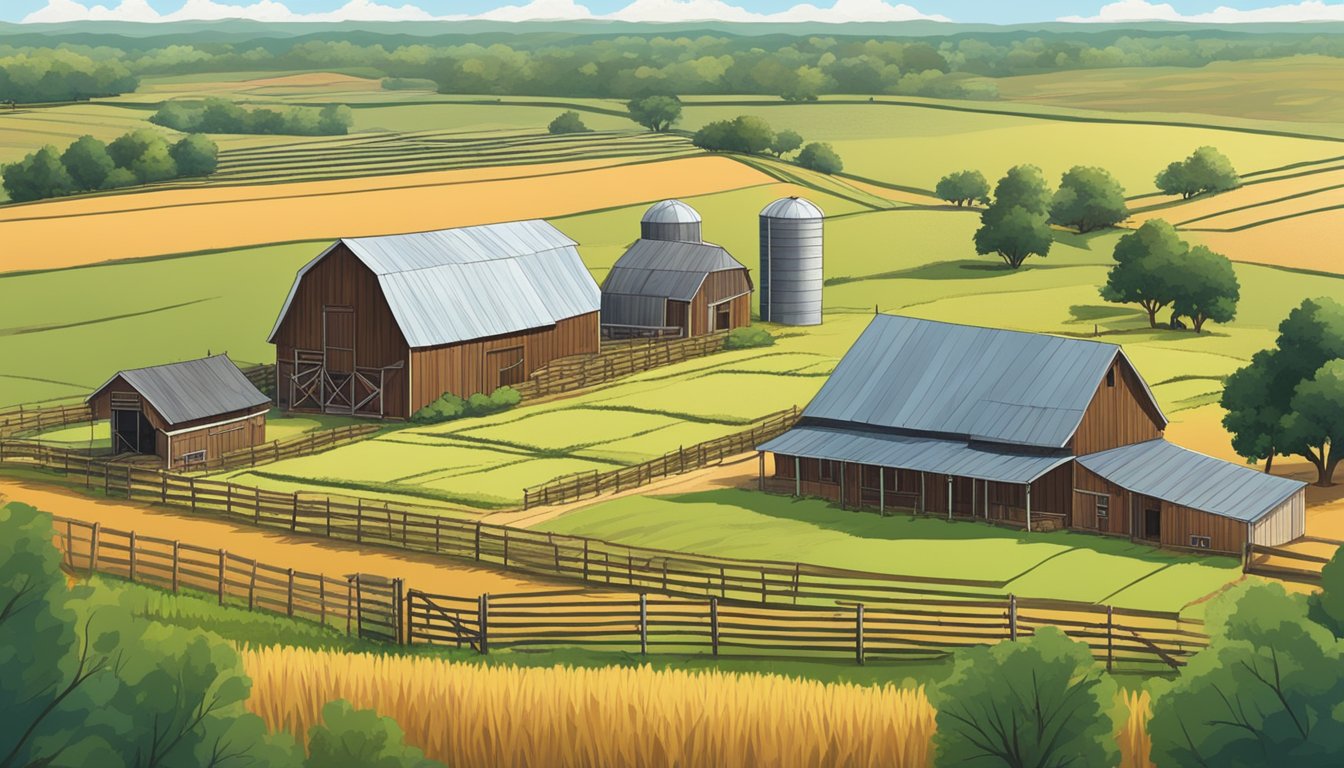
<point x="443" y="620"/>
<point x="377" y="608"/>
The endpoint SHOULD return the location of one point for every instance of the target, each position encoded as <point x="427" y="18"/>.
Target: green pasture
<point x="1062" y="564"/>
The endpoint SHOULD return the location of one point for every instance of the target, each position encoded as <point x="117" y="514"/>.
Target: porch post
<point x="1028" y="507"/>
<point x="760" y="455"/>
<point x="949" y="497"/>
<point x="797" y="476"/>
<point x="881" y="490"/>
<point x="921" y="493"/>
<point x="843" y="468"/>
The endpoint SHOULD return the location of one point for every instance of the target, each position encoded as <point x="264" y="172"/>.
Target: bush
<point x="1036" y="702"/>
<point x="963" y="188"/>
<point x="38" y="175"/>
<point x="657" y="113"/>
<point x="1206" y="170"/>
<point x="786" y="141"/>
<point x="567" y="122"/>
<point x="351" y="738"/>
<point x="820" y="157"/>
<point x="196" y="155"/>
<point x="748" y="338"/>
<point x="450" y="406"/>
<point x="88" y="163"/>
<point x="216" y="115"/>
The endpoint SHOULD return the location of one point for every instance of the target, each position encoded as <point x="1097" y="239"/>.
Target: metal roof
<point x="671" y="212"/>
<point x="792" y="208"/>
<point x="667" y="269"/>
<point x="956" y="380"/>
<point x="454" y="285"/>
<point x="1169" y="472"/>
<point x="634" y="311"/>
<point x="195" y="389"/>
<point x="923" y="454"/>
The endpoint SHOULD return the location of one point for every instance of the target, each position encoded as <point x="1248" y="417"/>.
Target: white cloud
<point x="68" y="10"/>
<point x="718" y="10"/>
<point x="538" y="10"/>
<point x="209" y="10"/>
<point x="854" y="10"/>
<point x="1141" y="10"/>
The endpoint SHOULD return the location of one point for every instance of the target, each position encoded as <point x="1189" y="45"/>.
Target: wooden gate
<point x="378" y="608"/>
<point x="443" y="620"/>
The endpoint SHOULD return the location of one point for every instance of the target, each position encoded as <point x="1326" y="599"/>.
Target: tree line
<point x="87" y="164"/>
<point x="626" y="65"/>
<point x="216" y="115"/>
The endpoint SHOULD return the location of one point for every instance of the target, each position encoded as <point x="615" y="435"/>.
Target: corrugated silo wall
<point x="676" y="232"/>
<point x="791" y="271"/>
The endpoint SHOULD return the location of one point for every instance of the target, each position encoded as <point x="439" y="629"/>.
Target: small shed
<point x="185" y="413"/>
<point x="675" y="288"/>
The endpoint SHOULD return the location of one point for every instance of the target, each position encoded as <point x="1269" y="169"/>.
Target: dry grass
<point x="469" y="715"/>
<point x="1289" y="243"/>
<point x="1196" y="210"/>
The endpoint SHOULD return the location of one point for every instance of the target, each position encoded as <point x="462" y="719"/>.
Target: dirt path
<point x="424" y="572"/>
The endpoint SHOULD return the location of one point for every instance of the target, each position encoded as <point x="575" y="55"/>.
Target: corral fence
<point x="277" y="450"/>
<point x="262" y="377"/>
<point x="365" y="606"/>
<point x="617" y="361"/>
<point x="1289" y="564"/>
<point x="582" y="485"/>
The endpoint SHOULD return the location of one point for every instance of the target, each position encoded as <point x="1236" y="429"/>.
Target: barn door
<point x="338" y="351"/>
<point x="507" y="365"/>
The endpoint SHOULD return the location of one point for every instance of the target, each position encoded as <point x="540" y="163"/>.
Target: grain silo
<point x="791" y="252"/>
<point x="671" y="220"/>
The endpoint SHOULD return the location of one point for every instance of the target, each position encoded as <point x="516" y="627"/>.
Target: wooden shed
<point x="675" y="288"/>
<point x="382" y="326"/>
<point x="185" y="413"/>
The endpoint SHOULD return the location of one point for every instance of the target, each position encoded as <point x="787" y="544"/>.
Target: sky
<point x="977" y="11"/>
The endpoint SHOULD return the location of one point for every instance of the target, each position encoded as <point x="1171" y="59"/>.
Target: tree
<point x="1205" y="170"/>
<point x="1205" y="287"/>
<point x="716" y="136"/>
<point x="350" y="738"/>
<point x="1266" y="691"/>
<point x="786" y="141"/>
<point x="1145" y="260"/>
<point x="819" y="156"/>
<point x="804" y="84"/>
<point x="129" y="147"/>
<point x="1251" y="416"/>
<point x="657" y="113"/>
<point x="1015" y="225"/>
<point x="1023" y="186"/>
<point x="567" y="122"/>
<point x="1028" y="703"/>
<point x="155" y="164"/>
<point x="335" y="120"/>
<point x="195" y="155"/>
<point x="1314" y="426"/>
<point x="963" y="188"/>
<point x="38" y="175"/>
<point x="1326" y="607"/>
<point x="752" y="134"/>
<point x="1088" y="199"/>
<point x="87" y="162"/>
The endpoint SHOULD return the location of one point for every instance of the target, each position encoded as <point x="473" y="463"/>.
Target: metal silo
<point x="791" y="252"/>
<point x="671" y="220"/>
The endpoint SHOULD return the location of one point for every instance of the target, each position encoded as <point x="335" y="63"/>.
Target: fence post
<point x="130" y="552"/>
<point x="643" y="624"/>
<point x="585" y="559"/>
<point x="359" y="520"/>
<point x="252" y="587"/>
<point x="223" y="558"/>
<point x="438" y="527"/>
<point x="163" y="488"/>
<point x="478" y="540"/>
<point x="93" y="549"/>
<point x="714" y="624"/>
<point x="175" y="565"/>
<point x="399" y="610"/>
<point x="322" y="598"/>
<point x="506" y="546"/>
<point x="483" y="619"/>
<point x="858" y="634"/>
<point x="294" y="513"/>
<point x="1110" y="637"/>
<point x="328" y="517"/>
<point x="289" y="594"/>
<point x="1012" y="617"/>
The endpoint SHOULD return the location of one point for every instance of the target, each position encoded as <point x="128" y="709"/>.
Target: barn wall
<point x="717" y="287"/>
<point x="1180" y="523"/>
<point x="213" y="438"/>
<point x="1086" y="487"/>
<point x="679" y="316"/>
<point x="1118" y="415"/>
<point x="101" y="403"/>
<point x="464" y="368"/>
<point x="341" y="279"/>
<point x="1284" y="523"/>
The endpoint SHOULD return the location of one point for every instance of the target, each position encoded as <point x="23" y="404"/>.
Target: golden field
<point x="469" y="715"/>
<point x="68" y="233"/>
<point x="1198" y="210"/>
<point x="1304" y="242"/>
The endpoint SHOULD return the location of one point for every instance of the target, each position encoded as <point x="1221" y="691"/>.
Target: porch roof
<point x="921" y="454"/>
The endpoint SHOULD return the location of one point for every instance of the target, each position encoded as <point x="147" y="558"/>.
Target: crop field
<point x="1064" y="565"/>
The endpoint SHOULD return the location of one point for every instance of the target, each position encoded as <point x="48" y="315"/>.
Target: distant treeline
<point x="215" y="115"/>
<point x="139" y="157"/>
<point x="631" y="65"/>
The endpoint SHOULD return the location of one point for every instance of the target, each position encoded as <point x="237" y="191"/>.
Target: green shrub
<point x="450" y="406"/>
<point x="822" y="157"/>
<point x="216" y="115"/>
<point x="568" y="122"/>
<point x="748" y="338"/>
<point x="408" y="84"/>
<point x="359" y="738"/>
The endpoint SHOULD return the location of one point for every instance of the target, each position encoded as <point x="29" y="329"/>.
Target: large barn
<point x="382" y="326"/>
<point x="671" y="283"/>
<point x="1027" y="429"/>
<point x="185" y="413"/>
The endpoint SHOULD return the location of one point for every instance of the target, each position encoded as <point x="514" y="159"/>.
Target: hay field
<point x="1303" y="242"/>
<point x="1253" y="194"/>
<point x="1304" y="204"/>
<point x="468" y="715"/>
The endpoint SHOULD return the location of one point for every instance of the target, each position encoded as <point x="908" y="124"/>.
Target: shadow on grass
<point x="961" y="269"/>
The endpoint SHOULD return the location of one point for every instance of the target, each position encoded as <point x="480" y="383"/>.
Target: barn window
<point x="1110" y="377"/>
<point x="190" y="458"/>
<point x="826" y="471"/>
<point x="1103" y="507"/>
<point x="1200" y="542"/>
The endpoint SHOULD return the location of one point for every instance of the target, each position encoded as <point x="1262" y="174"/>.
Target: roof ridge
<point x="1036" y="334"/>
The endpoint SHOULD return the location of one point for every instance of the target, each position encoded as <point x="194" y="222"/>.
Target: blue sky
<point x="985" y="11"/>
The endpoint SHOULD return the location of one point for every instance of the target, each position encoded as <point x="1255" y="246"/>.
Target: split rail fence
<point x="277" y="450"/>
<point x="1289" y="564"/>
<point x="571" y="488"/>
<point x="617" y="361"/>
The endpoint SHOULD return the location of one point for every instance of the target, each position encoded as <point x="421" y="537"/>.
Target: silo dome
<point x="671" y="220"/>
<point x="791" y="262"/>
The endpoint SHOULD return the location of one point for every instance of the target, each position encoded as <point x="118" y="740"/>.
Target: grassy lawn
<point x="1065" y="565"/>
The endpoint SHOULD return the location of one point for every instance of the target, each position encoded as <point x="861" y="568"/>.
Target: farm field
<point x="1281" y="242"/>
<point x="279" y="426"/>
<point x="1255" y="193"/>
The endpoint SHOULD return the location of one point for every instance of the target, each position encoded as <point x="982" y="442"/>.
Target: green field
<point x="1064" y="565"/>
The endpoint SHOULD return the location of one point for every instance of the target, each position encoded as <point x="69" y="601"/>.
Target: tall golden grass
<point x="474" y="716"/>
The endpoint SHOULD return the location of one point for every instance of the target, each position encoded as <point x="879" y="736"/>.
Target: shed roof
<point x="792" y="208"/>
<point x="984" y="384"/>
<point x="666" y="269"/>
<point x="1169" y="472"/>
<point x="192" y="390"/>
<point x="454" y="285"/>
<point x="922" y="454"/>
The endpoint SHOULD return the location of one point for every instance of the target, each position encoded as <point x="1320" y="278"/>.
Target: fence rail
<point x="277" y="450"/>
<point x="16" y="421"/>
<point x="617" y="361"/>
<point x="571" y="488"/>
<point x="1300" y="566"/>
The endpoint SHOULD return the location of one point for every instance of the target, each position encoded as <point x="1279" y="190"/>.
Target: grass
<point x="1065" y="565"/>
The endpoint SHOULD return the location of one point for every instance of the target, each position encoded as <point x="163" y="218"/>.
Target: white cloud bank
<point x="1142" y="10"/>
<point x="535" y="10"/>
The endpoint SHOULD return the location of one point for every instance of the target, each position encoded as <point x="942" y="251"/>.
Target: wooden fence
<point x="362" y="605"/>
<point x="571" y="488"/>
<point x="262" y="377"/>
<point x="617" y="361"/>
<point x="276" y="450"/>
<point x="16" y="421"/>
<point x="1289" y="564"/>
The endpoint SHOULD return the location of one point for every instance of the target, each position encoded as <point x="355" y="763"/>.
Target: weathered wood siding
<point x="463" y="369"/>
<point x="1087" y="487"/>
<point x="731" y="285"/>
<point x="1286" y="522"/>
<point x="101" y="403"/>
<point x="212" y="437"/>
<point x="1179" y="523"/>
<point x="1118" y="415"/>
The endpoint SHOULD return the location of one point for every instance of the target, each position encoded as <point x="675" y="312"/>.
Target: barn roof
<point x="916" y="452"/>
<point x="1169" y="472"/>
<point x="454" y="285"/>
<point x="981" y="384"/>
<point x="665" y="269"/>
<point x="192" y="390"/>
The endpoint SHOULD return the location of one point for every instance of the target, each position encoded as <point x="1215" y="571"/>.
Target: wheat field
<point x="470" y="715"/>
